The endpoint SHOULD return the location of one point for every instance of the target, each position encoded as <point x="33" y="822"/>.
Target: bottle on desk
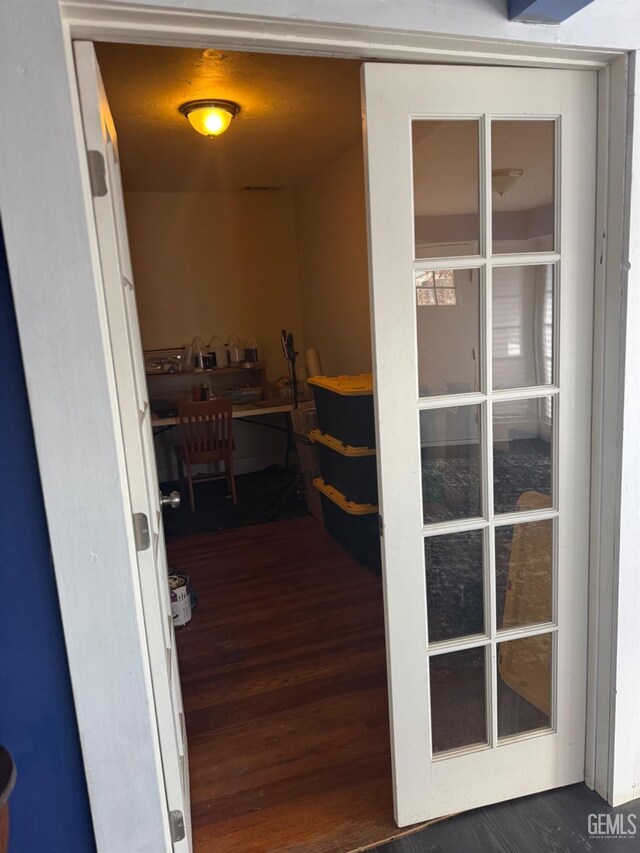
<point x="252" y="350"/>
<point x="197" y="349"/>
<point x="218" y="352"/>
<point x="236" y="350"/>
<point x="201" y="393"/>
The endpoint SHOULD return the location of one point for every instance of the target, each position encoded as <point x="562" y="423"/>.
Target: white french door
<point x="135" y="423"/>
<point x="481" y="196"/>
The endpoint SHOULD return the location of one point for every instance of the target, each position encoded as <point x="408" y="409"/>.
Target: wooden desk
<point x="250" y="410"/>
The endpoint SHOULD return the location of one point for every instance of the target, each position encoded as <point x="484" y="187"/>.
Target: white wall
<point x="604" y="23"/>
<point x="215" y="263"/>
<point x="330" y="218"/>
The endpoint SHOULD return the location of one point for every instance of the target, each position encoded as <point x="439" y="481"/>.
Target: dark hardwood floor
<point x="284" y="683"/>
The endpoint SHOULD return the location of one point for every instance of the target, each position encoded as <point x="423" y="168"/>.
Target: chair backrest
<point x="206" y="427"/>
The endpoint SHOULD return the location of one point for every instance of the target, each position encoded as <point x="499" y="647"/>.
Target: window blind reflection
<point x="522" y="325"/>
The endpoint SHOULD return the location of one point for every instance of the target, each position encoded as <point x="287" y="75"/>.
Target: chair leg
<point x="231" y="477"/>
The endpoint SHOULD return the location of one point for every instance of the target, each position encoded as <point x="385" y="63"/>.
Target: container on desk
<point x="351" y="470"/>
<point x="243" y="396"/>
<point x="218" y="355"/>
<point x="252" y="351"/>
<point x="352" y="525"/>
<point x="345" y="408"/>
<point x="235" y="350"/>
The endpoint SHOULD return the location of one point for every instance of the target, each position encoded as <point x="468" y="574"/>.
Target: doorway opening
<point x="440" y="495"/>
<point x="232" y="240"/>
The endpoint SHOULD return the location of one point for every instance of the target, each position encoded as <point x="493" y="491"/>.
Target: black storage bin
<point x="354" y="526"/>
<point x="344" y="405"/>
<point x="350" y="470"/>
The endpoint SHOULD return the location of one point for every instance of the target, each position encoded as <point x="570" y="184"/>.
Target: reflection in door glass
<point x="455" y="597"/>
<point x="524" y="562"/>
<point x="450" y="455"/>
<point x="446" y="188"/>
<point x="448" y="331"/>
<point x="458" y="707"/>
<point x="524" y="685"/>
<point x="522" y="454"/>
<point x="522" y="323"/>
<point x="523" y="177"/>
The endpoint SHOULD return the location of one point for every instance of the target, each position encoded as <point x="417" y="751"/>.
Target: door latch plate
<point x="97" y="173"/>
<point x="141" y="531"/>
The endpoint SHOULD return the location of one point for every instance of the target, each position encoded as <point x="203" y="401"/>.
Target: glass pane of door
<point x="522" y="326"/>
<point x="448" y="331"/>
<point x="524" y="685"/>
<point x="522" y="454"/>
<point x="524" y="574"/>
<point x="446" y="188"/>
<point x="455" y="584"/>
<point x="523" y="185"/>
<point x="450" y="444"/>
<point x="458" y="704"/>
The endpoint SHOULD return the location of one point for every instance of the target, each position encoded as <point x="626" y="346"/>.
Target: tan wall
<point x="332" y="254"/>
<point x="215" y="263"/>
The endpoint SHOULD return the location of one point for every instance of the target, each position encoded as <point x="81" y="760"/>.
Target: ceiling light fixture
<point x="504" y="180"/>
<point x="209" y="117"/>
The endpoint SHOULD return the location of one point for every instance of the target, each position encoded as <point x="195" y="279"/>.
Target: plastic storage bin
<point x="352" y="525"/>
<point x="345" y="408"/>
<point x="351" y="470"/>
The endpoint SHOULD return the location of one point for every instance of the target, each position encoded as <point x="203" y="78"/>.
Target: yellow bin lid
<point x="338" y="446"/>
<point x="348" y="386"/>
<point x="339" y="499"/>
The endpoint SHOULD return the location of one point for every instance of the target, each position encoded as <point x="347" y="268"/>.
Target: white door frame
<point x="52" y="251"/>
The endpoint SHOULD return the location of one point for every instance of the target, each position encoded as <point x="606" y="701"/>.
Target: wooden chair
<point x="207" y="436"/>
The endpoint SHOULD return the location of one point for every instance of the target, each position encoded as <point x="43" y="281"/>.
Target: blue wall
<point x="49" y="808"/>
<point x="544" y="11"/>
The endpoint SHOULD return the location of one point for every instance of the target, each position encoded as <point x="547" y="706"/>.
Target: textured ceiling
<point x="297" y="113"/>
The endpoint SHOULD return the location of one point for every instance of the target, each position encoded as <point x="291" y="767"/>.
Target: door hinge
<point x="176" y="825"/>
<point x="380" y="526"/>
<point x="97" y="173"/>
<point x="141" y="531"/>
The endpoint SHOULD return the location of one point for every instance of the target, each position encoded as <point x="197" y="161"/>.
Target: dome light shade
<point x="504" y="180"/>
<point x="209" y="117"/>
